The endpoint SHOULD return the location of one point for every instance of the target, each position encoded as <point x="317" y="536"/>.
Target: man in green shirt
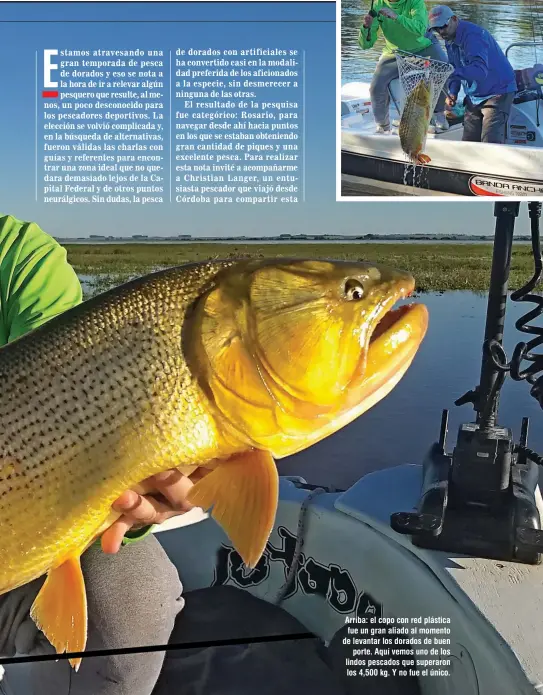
<point x="404" y="25"/>
<point x="134" y="595"/>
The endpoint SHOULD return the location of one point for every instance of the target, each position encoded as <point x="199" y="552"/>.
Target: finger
<point x="141" y="511"/>
<point x="126" y="501"/>
<point x="112" y="538"/>
<point x="144" y="512"/>
<point x="175" y="487"/>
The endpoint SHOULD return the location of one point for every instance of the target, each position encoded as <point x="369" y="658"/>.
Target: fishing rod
<point x="374" y="14"/>
<point x="482" y="499"/>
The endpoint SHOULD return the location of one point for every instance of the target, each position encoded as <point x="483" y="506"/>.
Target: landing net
<point x="414" y="68"/>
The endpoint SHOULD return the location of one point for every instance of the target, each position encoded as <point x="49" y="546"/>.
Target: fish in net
<point x="421" y="81"/>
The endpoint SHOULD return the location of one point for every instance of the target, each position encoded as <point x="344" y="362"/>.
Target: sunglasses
<point x="441" y="28"/>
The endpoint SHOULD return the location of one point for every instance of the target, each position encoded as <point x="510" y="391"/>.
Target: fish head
<point x="292" y="350"/>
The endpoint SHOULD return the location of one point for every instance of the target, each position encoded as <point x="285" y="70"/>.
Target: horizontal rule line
<point x="167" y="21"/>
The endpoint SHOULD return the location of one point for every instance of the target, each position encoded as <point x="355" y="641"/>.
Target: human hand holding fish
<point x="367" y="21"/>
<point x="159" y="498"/>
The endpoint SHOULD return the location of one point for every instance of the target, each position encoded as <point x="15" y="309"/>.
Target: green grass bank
<point x="436" y="267"/>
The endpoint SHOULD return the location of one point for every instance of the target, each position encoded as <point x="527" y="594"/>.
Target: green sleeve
<point x="363" y="35"/>
<point x="415" y="19"/>
<point x="131" y="536"/>
<point x="36" y="280"/>
<point x="36" y="284"/>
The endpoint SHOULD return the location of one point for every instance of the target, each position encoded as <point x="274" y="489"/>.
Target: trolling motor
<point x="481" y="499"/>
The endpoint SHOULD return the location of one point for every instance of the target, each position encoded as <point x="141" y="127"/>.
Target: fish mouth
<point x="390" y="345"/>
<point x="398" y="323"/>
<point x="392" y="340"/>
<point x="390" y="348"/>
<point x="389" y="321"/>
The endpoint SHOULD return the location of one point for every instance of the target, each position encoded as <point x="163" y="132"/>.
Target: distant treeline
<point x="291" y="237"/>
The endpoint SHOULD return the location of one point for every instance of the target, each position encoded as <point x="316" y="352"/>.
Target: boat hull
<point x="353" y="565"/>
<point x="472" y="169"/>
<point x="388" y="173"/>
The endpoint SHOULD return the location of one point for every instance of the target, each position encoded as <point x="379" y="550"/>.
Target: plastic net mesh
<point x="414" y="68"/>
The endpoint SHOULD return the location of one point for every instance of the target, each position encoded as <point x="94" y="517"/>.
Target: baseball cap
<point x="439" y="16"/>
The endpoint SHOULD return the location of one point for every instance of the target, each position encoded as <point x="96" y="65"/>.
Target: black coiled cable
<point x="524" y="351"/>
<point x="529" y="454"/>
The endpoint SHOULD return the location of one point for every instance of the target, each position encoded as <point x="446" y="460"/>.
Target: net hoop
<point x="413" y="68"/>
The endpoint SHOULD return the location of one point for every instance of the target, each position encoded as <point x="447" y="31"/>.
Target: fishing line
<point x="158" y="648"/>
<point x="204" y="644"/>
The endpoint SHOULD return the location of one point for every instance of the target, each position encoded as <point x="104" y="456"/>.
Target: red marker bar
<point x="49" y="95"/>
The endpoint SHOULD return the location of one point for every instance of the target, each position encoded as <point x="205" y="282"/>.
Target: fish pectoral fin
<point x="244" y="493"/>
<point x="423" y="159"/>
<point x="60" y="608"/>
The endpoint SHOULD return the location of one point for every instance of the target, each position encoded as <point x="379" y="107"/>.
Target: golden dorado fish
<point x="224" y="365"/>
<point x="415" y="121"/>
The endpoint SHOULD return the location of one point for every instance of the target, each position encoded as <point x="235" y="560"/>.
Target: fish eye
<point x="354" y="290"/>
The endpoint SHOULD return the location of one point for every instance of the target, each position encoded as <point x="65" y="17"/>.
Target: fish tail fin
<point x="423" y="159"/>
<point x="244" y="493"/>
<point x="60" y="608"/>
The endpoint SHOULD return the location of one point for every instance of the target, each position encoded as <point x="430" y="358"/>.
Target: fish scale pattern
<point x="93" y="402"/>
<point x="415" y="119"/>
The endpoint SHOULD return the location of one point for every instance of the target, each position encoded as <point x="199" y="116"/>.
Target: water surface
<point x="509" y="22"/>
<point x="402" y="426"/>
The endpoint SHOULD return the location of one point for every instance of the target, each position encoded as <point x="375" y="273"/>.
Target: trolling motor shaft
<point x="481" y="499"/>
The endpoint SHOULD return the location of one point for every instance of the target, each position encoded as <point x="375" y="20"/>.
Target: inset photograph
<point x="441" y="100"/>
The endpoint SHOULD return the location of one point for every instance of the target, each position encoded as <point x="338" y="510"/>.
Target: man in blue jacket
<point x="481" y="67"/>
